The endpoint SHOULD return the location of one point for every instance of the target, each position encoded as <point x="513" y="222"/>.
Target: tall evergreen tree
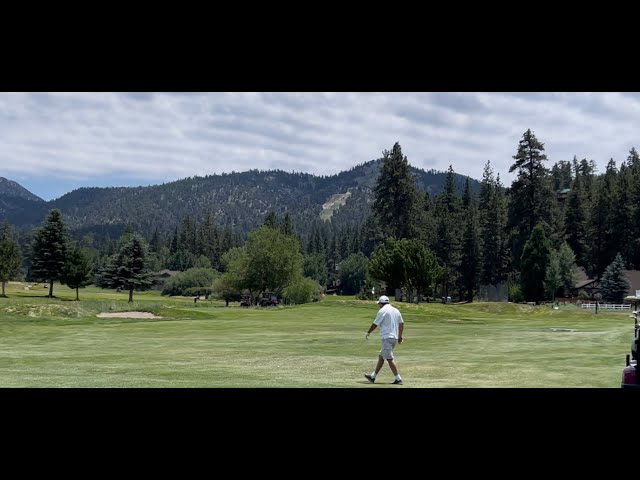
<point x="372" y="235"/>
<point x="208" y="241"/>
<point x="622" y="231"/>
<point x="552" y="279"/>
<point x="534" y="262"/>
<point x="633" y="160"/>
<point x="568" y="269"/>
<point x="77" y="270"/>
<point x="187" y="242"/>
<point x="428" y="234"/>
<point x="343" y="243"/>
<point x="175" y="241"/>
<point x="397" y="203"/>
<point x="127" y="269"/>
<point x="227" y="240"/>
<point x="448" y="249"/>
<point x="287" y="225"/>
<point x="154" y="243"/>
<point x="531" y="193"/>
<point x="561" y="175"/>
<point x="49" y="249"/>
<point x="470" y="254"/>
<point x="576" y="220"/>
<point x="588" y="171"/>
<point x="10" y="256"/>
<point x="600" y="239"/>
<point x="333" y="258"/>
<point x="356" y="240"/>
<point x="493" y="220"/>
<point x="271" y="220"/>
<point x="557" y="212"/>
<point x="614" y="285"/>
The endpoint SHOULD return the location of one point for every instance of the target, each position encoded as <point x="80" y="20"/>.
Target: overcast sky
<point x="52" y="143"/>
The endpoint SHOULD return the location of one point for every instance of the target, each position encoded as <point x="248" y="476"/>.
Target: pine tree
<point x="561" y="175"/>
<point x="154" y="243"/>
<point x="633" y="161"/>
<point x="208" y="241"/>
<point x="270" y="220"/>
<point x="534" y="262"/>
<point x="343" y="243"/>
<point x="187" y="243"/>
<point x="175" y="240"/>
<point x="77" y="270"/>
<point x="372" y="236"/>
<point x="356" y="240"/>
<point x="470" y="253"/>
<point x="552" y="279"/>
<point x="127" y="268"/>
<point x="448" y="233"/>
<point x="10" y="256"/>
<point x="531" y="193"/>
<point x="492" y="219"/>
<point x="614" y="285"/>
<point x="397" y="203"/>
<point x="622" y="231"/>
<point x="600" y="240"/>
<point x="576" y="220"/>
<point x="49" y="249"/>
<point x="568" y="269"/>
<point x="287" y="225"/>
<point x="429" y="222"/>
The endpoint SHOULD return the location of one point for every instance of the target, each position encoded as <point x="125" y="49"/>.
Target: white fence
<point x="608" y="306"/>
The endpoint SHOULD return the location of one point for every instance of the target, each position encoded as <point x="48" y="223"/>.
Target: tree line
<point x="530" y="236"/>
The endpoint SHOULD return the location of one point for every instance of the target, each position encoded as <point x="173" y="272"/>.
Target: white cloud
<point x="121" y="136"/>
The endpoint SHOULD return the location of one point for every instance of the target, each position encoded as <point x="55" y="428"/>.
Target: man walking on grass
<point x="391" y="324"/>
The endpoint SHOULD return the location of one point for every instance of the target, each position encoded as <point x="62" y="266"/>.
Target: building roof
<point x="633" y="276"/>
<point x="634" y="280"/>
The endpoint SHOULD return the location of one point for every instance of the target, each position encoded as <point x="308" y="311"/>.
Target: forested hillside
<point x="239" y="200"/>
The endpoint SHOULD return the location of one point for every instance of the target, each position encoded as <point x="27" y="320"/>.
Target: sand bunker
<point x="127" y="315"/>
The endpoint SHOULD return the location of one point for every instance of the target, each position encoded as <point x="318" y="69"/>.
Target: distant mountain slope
<point x="237" y="199"/>
<point x="9" y="188"/>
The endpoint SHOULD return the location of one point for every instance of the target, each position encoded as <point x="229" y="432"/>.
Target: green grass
<point x="62" y="343"/>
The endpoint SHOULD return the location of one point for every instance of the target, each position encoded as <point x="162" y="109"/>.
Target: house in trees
<point x="162" y="276"/>
<point x="634" y="280"/>
<point x="561" y="195"/>
<point x="592" y="286"/>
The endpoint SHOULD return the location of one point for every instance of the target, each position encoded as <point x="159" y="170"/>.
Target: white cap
<point x="383" y="299"/>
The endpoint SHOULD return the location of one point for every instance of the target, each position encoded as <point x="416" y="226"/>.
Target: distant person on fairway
<point x="391" y="324"/>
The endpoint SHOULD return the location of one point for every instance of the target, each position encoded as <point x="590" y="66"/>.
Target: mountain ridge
<point x="10" y="188"/>
<point x="238" y="199"/>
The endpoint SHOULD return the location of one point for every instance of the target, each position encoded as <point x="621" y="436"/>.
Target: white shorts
<point x="388" y="344"/>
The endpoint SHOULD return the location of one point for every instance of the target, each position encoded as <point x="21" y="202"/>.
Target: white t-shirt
<point x="387" y="320"/>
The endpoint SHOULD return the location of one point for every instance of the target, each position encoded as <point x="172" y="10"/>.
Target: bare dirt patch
<point x="127" y="315"/>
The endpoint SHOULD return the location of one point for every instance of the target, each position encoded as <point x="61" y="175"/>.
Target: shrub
<point x="515" y="293"/>
<point x="303" y="290"/>
<point x="184" y="283"/>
